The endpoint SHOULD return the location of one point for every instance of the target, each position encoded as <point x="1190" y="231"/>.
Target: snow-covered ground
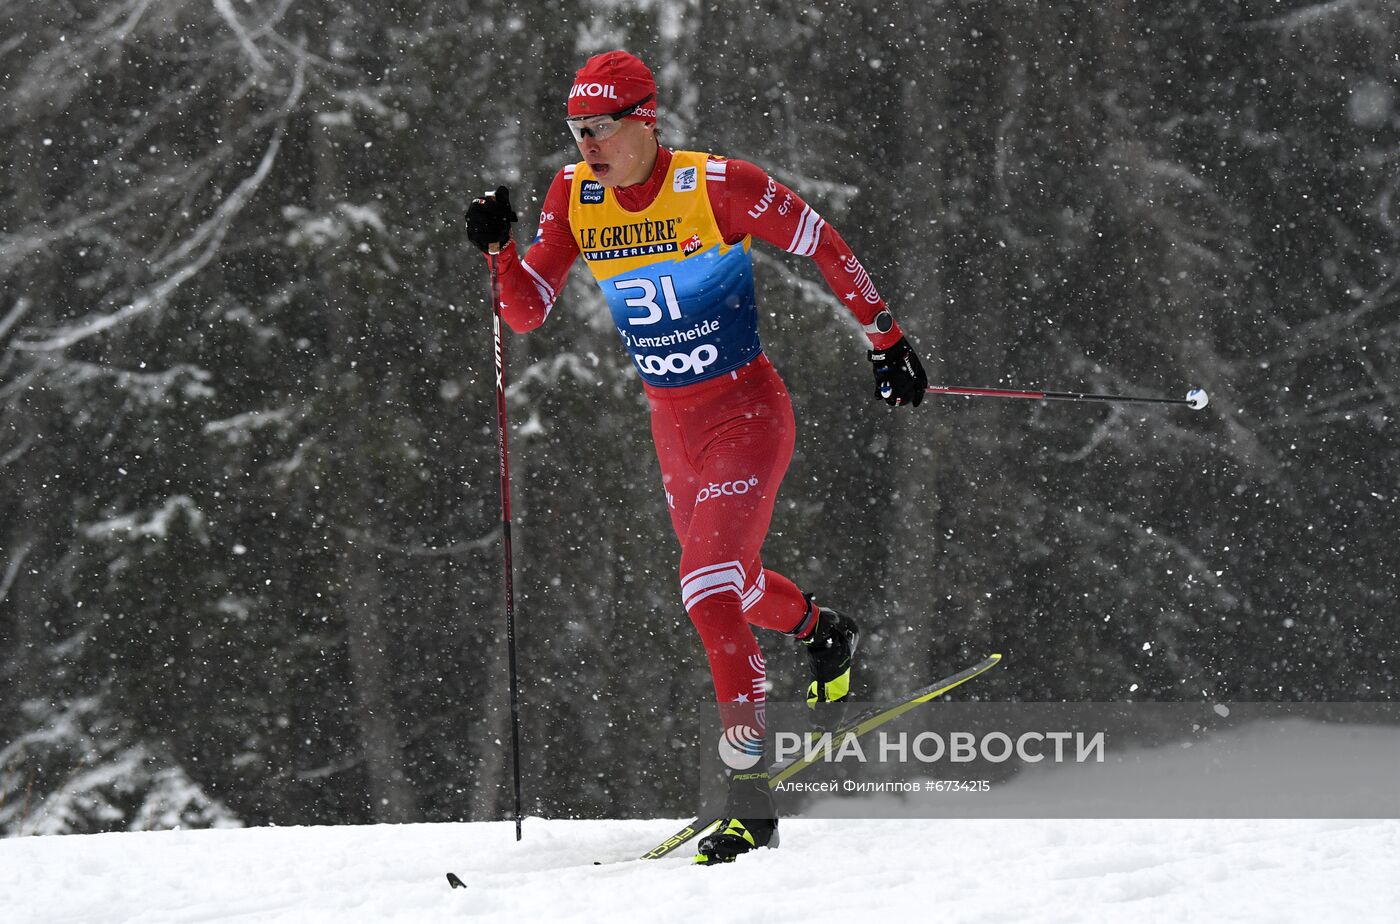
<point x="946" y="871"/>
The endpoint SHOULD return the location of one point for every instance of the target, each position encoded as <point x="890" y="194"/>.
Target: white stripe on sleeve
<point x="546" y="291"/>
<point x="809" y="232"/>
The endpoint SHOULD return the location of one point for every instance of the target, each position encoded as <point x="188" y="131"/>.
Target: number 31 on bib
<point x="647" y="300"/>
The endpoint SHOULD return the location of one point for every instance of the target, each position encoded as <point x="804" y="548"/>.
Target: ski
<point x="865" y="722"/>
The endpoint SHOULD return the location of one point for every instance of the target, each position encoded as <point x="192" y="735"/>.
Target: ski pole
<point x="1195" y="399"/>
<point x="505" y="530"/>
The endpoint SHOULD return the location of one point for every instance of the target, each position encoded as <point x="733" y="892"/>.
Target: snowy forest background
<point x="249" y="537"/>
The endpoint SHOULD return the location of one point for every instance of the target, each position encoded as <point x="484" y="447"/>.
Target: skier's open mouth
<point x="599" y="170"/>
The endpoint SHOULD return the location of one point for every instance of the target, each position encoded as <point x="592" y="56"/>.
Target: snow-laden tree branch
<point x="250" y="48"/>
<point x="12" y="317"/>
<point x="12" y="569"/>
<point x="1295" y="19"/>
<point x="209" y="236"/>
<point x="22" y="244"/>
<point x="1307" y="339"/>
<point x="64" y="68"/>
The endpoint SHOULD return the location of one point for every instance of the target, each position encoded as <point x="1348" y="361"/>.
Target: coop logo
<point x="590" y="192"/>
<point x="684" y="180"/>
<point x="741" y="747"/>
<point x="696" y="361"/>
<point x="594" y="91"/>
<point x="726" y="489"/>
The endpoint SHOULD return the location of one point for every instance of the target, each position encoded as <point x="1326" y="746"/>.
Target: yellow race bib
<point x="682" y="299"/>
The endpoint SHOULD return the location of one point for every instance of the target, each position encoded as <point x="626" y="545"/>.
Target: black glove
<point x="489" y="218"/>
<point x="899" y="376"/>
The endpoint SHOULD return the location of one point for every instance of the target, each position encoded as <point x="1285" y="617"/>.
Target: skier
<point x="667" y="237"/>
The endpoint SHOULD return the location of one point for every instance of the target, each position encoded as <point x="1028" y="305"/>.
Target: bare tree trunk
<point x="371" y="670"/>
<point x="989" y="493"/>
<point x="29" y="534"/>
<point x="911" y="583"/>
<point x="363" y="599"/>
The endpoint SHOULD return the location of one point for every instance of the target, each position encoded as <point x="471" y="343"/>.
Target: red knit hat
<point x="612" y="81"/>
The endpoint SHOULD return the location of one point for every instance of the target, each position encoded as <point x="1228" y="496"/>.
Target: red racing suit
<point x="671" y="255"/>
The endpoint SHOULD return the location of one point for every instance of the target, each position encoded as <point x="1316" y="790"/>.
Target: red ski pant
<point x="724" y="446"/>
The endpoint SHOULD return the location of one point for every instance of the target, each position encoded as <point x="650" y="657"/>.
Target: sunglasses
<point x="601" y="127"/>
